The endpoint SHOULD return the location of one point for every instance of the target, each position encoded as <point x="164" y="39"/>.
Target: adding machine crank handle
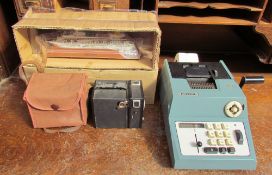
<point x="251" y="80"/>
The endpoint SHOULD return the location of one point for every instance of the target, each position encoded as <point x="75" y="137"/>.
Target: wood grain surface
<point x="27" y="151"/>
<point x="266" y="30"/>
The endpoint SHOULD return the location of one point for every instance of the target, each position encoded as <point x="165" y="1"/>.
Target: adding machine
<point x="206" y="118"/>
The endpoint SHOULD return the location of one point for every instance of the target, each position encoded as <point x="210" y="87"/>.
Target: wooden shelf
<point x="267" y="16"/>
<point x="203" y="5"/>
<point x="224" y="12"/>
<point x="265" y="23"/>
<point x="214" y="20"/>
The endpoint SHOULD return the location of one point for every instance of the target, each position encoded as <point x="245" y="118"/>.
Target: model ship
<point x="89" y="45"/>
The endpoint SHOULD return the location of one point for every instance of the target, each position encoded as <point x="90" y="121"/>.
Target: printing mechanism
<point x="199" y="76"/>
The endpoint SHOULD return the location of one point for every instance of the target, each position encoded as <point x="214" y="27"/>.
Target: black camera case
<point x="117" y="104"/>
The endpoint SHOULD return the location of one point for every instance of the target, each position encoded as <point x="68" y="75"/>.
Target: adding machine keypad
<point x="216" y="138"/>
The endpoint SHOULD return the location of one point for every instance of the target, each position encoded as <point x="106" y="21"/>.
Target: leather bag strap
<point x="65" y="130"/>
<point x="37" y="64"/>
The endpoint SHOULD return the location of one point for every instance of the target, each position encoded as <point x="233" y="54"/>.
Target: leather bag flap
<point x="55" y="91"/>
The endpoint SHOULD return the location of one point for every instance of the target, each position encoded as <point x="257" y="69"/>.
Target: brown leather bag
<point x="57" y="100"/>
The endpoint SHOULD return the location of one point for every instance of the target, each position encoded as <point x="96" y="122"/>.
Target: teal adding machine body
<point x="205" y="116"/>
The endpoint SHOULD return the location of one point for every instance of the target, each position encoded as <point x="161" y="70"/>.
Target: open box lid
<point x="56" y="91"/>
<point x="91" y="20"/>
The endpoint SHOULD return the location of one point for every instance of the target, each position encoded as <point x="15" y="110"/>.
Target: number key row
<point x="220" y="142"/>
<point x="217" y="126"/>
<point x="218" y="134"/>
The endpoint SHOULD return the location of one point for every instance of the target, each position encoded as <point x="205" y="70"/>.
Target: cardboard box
<point x="142" y="24"/>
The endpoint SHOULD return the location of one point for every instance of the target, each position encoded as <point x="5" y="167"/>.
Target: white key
<point x="220" y="142"/>
<point x="225" y="126"/>
<point x="209" y="126"/>
<point x="219" y="134"/>
<point x="229" y="142"/>
<point x="226" y="134"/>
<point x="211" y="134"/>
<point x="212" y="142"/>
<point x="217" y="126"/>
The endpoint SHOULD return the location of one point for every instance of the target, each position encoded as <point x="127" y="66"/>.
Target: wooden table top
<point x="24" y="150"/>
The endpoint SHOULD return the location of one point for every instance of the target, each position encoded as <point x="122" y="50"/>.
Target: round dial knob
<point x="233" y="109"/>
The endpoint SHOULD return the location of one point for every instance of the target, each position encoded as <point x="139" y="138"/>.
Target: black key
<point x="199" y="144"/>
<point x="222" y="150"/>
<point x="211" y="150"/>
<point x="231" y="150"/>
<point x="239" y="137"/>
